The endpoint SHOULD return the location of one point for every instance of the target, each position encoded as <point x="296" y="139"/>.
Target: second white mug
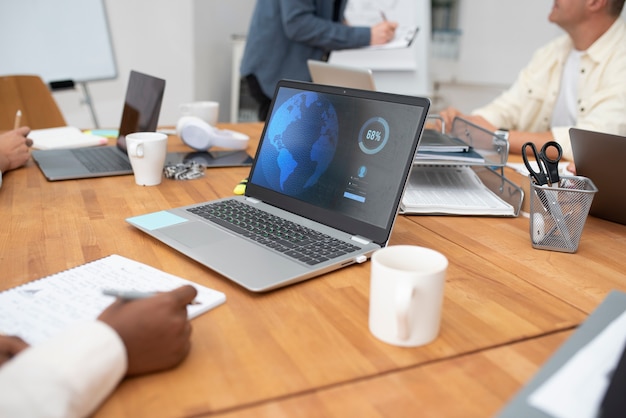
<point x="206" y="110"/>
<point x="406" y="294"/>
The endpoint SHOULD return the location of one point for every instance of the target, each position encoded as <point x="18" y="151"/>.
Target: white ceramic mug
<point x="206" y="110"/>
<point x="147" y="152"/>
<point x="406" y="294"/>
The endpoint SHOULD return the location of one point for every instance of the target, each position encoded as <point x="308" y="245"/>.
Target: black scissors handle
<point x="539" y="176"/>
<point x="548" y="168"/>
<point x="551" y="164"/>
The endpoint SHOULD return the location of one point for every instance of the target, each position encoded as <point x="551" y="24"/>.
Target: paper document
<point x="42" y="308"/>
<point x="469" y="156"/>
<point x="64" y="137"/>
<point x="435" y="141"/>
<point x="454" y="190"/>
<point x="577" y="388"/>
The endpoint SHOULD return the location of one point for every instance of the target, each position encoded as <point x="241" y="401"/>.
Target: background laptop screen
<point x="345" y="153"/>
<point x="142" y="105"/>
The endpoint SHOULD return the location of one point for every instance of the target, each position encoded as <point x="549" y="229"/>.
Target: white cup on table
<point x="406" y="294"/>
<point x="208" y="111"/>
<point x="147" y="152"/>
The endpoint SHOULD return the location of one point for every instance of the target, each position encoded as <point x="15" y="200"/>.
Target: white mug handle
<point x="404" y="299"/>
<point x="136" y="150"/>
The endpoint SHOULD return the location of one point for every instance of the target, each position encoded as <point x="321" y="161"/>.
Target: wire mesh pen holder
<point x="558" y="214"/>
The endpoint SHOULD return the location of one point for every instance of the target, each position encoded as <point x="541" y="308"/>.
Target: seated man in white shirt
<point x="579" y="79"/>
<point x="71" y="374"/>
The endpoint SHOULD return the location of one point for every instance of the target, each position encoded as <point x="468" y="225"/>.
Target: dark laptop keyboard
<point x="101" y="160"/>
<point x="296" y="241"/>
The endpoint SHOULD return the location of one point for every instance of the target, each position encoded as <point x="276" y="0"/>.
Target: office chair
<point x="31" y="95"/>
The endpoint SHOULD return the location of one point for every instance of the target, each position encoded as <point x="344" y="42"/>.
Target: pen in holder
<point x="558" y="214"/>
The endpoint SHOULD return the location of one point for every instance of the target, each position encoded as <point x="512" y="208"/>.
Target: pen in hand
<point x="383" y="16"/>
<point x="128" y="295"/>
<point x="18" y="119"/>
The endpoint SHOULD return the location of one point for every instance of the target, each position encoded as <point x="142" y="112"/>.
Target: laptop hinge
<point x="252" y="199"/>
<point x="361" y="240"/>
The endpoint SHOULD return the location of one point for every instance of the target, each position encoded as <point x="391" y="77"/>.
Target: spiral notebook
<point x="42" y="308"/>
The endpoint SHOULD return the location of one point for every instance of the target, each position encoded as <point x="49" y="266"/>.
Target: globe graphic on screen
<point x="302" y="136"/>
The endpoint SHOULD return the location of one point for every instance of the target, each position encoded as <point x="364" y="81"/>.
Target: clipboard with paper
<point x="404" y="37"/>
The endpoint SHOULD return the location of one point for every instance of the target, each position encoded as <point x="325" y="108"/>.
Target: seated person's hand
<point x="383" y="32"/>
<point x="571" y="167"/>
<point x="14" y="148"/>
<point x="155" y="330"/>
<point x="448" y="114"/>
<point x="9" y="347"/>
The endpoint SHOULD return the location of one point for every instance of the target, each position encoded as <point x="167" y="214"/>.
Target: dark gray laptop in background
<point x="600" y="157"/>
<point x="142" y="106"/>
<point x="331" y="166"/>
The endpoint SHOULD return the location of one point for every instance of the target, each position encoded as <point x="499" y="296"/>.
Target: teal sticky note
<point x="156" y="220"/>
<point x="107" y="133"/>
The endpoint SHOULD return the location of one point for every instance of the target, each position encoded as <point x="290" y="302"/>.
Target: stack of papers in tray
<point x="453" y="190"/>
<point x="432" y="140"/>
<point x="435" y="145"/>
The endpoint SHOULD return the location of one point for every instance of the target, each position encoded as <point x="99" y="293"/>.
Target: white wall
<point x="215" y="23"/>
<point x="151" y="36"/>
<point x="403" y="70"/>
<point x="188" y="43"/>
<point x="498" y="38"/>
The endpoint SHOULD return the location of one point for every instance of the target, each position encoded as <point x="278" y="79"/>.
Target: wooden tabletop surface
<point x="305" y="350"/>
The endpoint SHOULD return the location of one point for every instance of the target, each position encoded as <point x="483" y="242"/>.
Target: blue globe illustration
<point x="303" y="137"/>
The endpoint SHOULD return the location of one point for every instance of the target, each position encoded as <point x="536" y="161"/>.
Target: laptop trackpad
<point x="195" y="234"/>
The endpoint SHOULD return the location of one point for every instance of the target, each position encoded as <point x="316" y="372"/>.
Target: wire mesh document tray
<point x="465" y="182"/>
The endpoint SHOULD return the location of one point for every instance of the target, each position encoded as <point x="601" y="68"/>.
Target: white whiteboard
<point x="58" y="40"/>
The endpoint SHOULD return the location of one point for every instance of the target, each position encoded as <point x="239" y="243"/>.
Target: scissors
<point x="548" y="174"/>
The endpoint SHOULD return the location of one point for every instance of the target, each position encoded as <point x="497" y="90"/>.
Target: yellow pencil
<point x="18" y="119"/>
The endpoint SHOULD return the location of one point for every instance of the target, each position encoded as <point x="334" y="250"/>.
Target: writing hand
<point x="14" y="148"/>
<point x="383" y="32"/>
<point x="155" y="330"/>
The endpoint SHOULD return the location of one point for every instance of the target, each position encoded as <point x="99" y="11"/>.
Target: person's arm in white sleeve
<point x="67" y="376"/>
<point x="72" y="373"/>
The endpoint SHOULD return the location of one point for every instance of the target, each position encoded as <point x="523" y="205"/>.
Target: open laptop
<point x="331" y="160"/>
<point x="339" y="75"/>
<point x="142" y="106"/>
<point x="600" y="157"/>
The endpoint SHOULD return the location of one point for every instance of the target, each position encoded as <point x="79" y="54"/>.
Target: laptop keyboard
<point x="99" y="160"/>
<point x="296" y="241"/>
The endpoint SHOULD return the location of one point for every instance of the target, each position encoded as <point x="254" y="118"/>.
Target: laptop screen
<point x="142" y="105"/>
<point x="338" y="75"/>
<point x="338" y="156"/>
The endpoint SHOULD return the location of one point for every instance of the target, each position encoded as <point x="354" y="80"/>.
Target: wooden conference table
<point x="306" y="350"/>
